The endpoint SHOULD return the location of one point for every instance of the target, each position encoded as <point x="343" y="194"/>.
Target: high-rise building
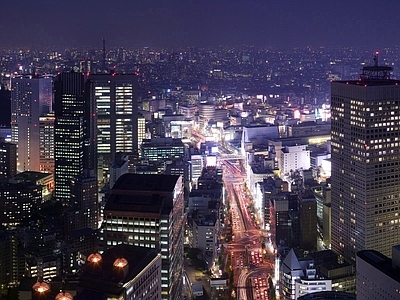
<point x="74" y="138"/>
<point x="46" y="150"/>
<point x="365" y="163"/>
<point x="148" y="211"/>
<point x="308" y="221"/>
<point x="5" y="102"/>
<point x="377" y="275"/>
<point x="8" y="159"/>
<point x="115" y="98"/>
<point x="84" y="208"/>
<point x="31" y="98"/>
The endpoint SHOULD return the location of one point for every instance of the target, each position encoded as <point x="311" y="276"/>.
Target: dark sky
<point x="175" y="23"/>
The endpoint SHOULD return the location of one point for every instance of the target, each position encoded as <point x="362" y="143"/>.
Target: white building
<point x="196" y="167"/>
<point x="294" y="158"/>
<point x="299" y="278"/>
<point x="308" y="286"/>
<point x="205" y="234"/>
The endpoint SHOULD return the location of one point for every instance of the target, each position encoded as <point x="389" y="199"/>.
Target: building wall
<point x="294" y="158"/>
<point x="304" y="286"/>
<point x="372" y="283"/>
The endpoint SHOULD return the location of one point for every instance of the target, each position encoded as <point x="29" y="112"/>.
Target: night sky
<point x="176" y="23"/>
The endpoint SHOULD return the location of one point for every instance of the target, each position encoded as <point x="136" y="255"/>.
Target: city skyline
<point x="179" y="23"/>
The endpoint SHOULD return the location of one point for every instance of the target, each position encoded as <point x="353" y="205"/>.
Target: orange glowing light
<point x="64" y="296"/>
<point x="120" y="262"/>
<point x="94" y="258"/>
<point x="41" y="287"/>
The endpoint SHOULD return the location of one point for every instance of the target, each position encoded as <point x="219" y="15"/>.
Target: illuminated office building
<point x="46" y="142"/>
<point x="73" y="132"/>
<point x="141" y="130"/>
<point x="18" y="200"/>
<point x="8" y="159"/>
<point x="148" y="211"/>
<point x="365" y="163"/>
<point x="162" y="148"/>
<point x="115" y="98"/>
<point x="31" y="98"/>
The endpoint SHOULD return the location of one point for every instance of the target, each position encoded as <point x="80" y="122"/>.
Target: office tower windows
<point x="115" y="97"/>
<point x="8" y="160"/>
<point x="69" y="134"/>
<point x="365" y="163"/>
<point x="46" y="142"/>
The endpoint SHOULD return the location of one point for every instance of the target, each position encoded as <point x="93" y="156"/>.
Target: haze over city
<point x="181" y="23"/>
<point x="208" y="150"/>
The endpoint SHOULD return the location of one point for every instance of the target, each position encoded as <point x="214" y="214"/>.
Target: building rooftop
<point x="30" y="176"/>
<point x="370" y="82"/>
<point x="135" y="203"/>
<point x="104" y="277"/>
<point x="327" y="295"/>
<point x="380" y="262"/>
<point x="146" y="182"/>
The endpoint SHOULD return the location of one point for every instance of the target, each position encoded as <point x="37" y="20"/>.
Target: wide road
<point x="249" y="261"/>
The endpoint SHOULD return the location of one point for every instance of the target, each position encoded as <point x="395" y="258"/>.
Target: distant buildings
<point x="365" y="163"/>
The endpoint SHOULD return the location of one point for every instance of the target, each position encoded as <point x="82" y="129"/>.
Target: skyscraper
<point x="365" y="163"/>
<point x="31" y="98"/>
<point x="115" y="98"/>
<point x="46" y="142"/>
<point x="74" y="141"/>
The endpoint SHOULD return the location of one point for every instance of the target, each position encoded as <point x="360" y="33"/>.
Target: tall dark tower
<point x="73" y="151"/>
<point x="104" y="55"/>
<point x="365" y="163"/>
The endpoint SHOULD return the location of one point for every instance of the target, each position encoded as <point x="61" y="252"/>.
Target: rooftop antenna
<point x="104" y="55"/>
<point x="376" y="59"/>
<point x="376" y="72"/>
